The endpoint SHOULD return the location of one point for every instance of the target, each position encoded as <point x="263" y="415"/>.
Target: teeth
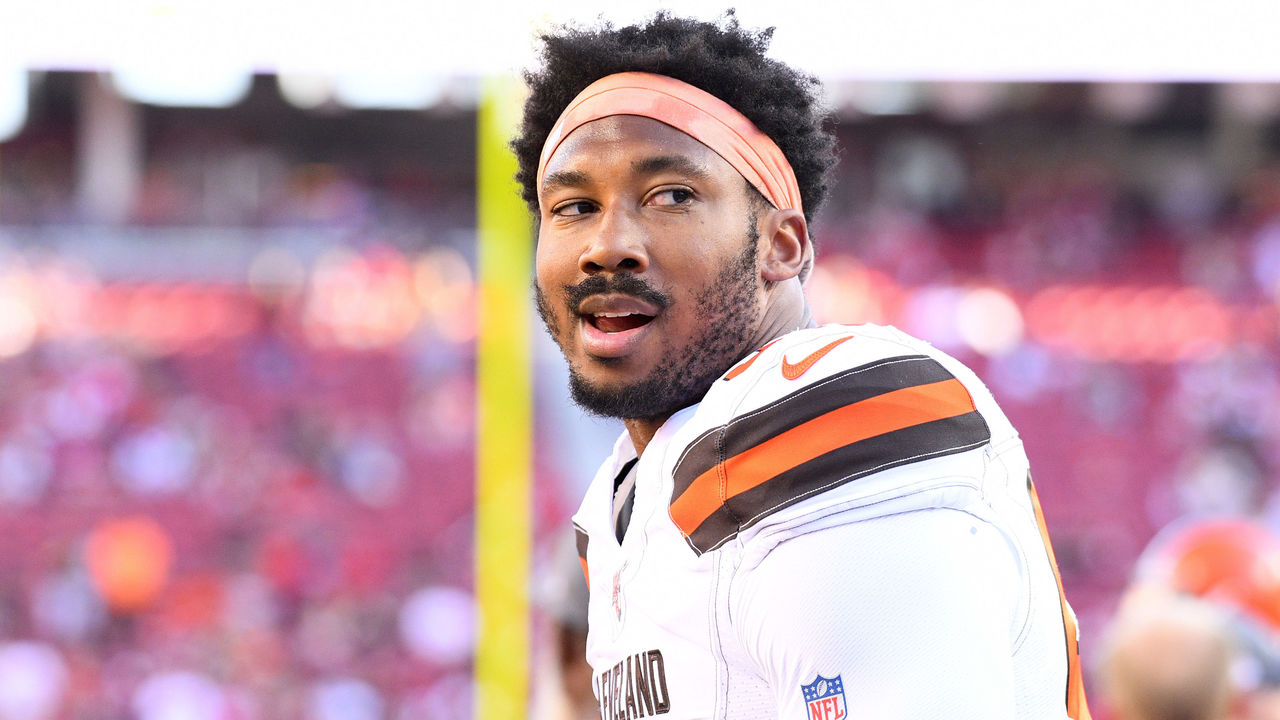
<point x="614" y="315"/>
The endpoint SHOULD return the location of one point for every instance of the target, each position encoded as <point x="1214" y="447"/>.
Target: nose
<point x="617" y="246"/>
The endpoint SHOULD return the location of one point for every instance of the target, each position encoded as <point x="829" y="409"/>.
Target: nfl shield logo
<point x="825" y="698"/>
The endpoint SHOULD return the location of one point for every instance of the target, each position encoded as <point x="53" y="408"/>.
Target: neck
<point x="642" y="431"/>
<point x="786" y="311"/>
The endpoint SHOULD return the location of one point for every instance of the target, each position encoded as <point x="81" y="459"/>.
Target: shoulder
<point x="925" y="556"/>
<point x="808" y="363"/>
<point x="811" y="413"/>
<point x="942" y="609"/>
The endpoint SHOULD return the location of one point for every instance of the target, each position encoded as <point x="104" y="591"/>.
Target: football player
<point x="799" y="521"/>
<point x="1201" y="584"/>
<point x="1168" y="656"/>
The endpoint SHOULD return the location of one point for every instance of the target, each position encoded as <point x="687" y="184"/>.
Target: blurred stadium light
<point x="182" y="85"/>
<point x="13" y="100"/>
<point x="391" y="54"/>
<point x="924" y="39"/>
<point x="388" y="91"/>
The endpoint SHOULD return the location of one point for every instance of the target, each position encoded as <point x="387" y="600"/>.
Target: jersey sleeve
<point x="905" y="616"/>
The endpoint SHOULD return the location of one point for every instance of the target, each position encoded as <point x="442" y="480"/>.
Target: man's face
<point x="646" y="266"/>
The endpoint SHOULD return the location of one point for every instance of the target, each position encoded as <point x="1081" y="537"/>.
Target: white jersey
<point x="842" y="526"/>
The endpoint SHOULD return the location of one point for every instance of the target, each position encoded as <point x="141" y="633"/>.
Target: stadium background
<point x="238" y="328"/>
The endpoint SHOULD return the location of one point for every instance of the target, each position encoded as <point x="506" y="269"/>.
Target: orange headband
<point x="695" y="112"/>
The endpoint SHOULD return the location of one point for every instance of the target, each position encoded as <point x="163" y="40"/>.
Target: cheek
<point x="544" y="266"/>
<point x="697" y="264"/>
<point x="553" y="259"/>
<point x="550" y="279"/>
<point x="548" y="300"/>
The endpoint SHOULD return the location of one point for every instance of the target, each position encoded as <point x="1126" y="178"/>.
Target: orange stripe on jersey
<point x="841" y="427"/>
<point x="1077" y="705"/>
<point x="581" y="540"/>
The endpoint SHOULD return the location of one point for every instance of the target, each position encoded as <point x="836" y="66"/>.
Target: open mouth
<point x="617" y="322"/>
<point x="614" y="325"/>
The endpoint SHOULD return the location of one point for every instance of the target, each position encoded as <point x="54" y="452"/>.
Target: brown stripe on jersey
<point x="851" y="386"/>
<point x="871" y="418"/>
<point x="582" y="538"/>
<point x="900" y="447"/>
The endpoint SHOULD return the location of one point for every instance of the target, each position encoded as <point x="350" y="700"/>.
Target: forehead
<point x="631" y="140"/>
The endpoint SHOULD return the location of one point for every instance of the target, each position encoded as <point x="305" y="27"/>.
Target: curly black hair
<point x="721" y="58"/>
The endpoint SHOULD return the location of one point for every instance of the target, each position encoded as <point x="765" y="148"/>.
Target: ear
<point x="785" y="249"/>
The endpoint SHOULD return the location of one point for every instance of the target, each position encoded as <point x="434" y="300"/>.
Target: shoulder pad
<point x="818" y="435"/>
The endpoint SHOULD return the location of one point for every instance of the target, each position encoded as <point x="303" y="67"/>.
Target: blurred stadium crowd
<point x="236" y="385"/>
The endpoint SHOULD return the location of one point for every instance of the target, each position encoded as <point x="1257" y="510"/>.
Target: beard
<point x="726" y="312"/>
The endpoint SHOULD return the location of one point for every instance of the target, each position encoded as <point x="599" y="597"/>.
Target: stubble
<point x="727" y="317"/>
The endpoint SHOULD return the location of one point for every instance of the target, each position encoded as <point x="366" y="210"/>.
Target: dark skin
<point x="631" y="195"/>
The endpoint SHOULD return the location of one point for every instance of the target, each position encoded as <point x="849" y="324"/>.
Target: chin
<point x="659" y="394"/>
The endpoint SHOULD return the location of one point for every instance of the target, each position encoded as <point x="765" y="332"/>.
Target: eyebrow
<point x="564" y="178"/>
<point x="670" y="163"/>
<point x="645" y="166"/>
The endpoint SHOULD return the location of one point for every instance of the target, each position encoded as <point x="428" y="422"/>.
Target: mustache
<point x="621" y="284"/>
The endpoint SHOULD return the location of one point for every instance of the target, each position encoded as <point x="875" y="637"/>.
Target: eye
<point x="572" y="208"/>
<point x="671" y="197"/>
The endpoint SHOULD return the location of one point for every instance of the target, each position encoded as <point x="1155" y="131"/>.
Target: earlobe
<point x="786" y="249"/>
